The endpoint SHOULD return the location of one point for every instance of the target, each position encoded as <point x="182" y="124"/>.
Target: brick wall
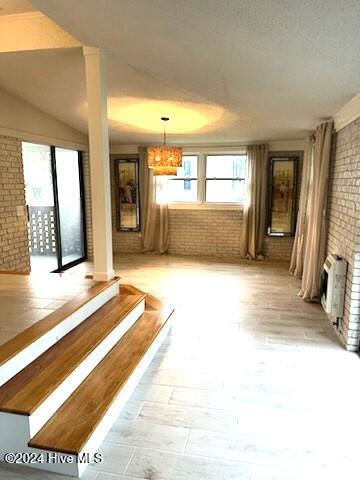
<point x="14" y="253"/>
<point x="278" y="248"/>
<point x="126" y="242"/>
<point x="203" y="231"/>
<point x="88" y="213"/>
<point x="14" y="243"/>
<point x="191" y="232"/>
<point x="344" y="223"/>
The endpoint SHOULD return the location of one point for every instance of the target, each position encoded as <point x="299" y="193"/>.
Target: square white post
<point x="96" y="85"/>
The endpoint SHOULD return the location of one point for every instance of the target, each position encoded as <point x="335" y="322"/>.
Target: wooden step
<point x="29" y="388"/>
<point x="152" y="303"/>
<point x="18" y="352"/>
<point x="90" y="410"/>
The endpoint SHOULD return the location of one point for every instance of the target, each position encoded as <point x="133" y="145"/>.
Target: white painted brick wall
<point x="205" y="232"/>
<point x="14" y="242"/>
<point x="344" y="223"/>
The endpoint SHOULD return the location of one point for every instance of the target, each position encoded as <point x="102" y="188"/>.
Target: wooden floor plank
<point x="35" y="331"/>
<point x="30" y="387"/>
<point x="73" y="424"/>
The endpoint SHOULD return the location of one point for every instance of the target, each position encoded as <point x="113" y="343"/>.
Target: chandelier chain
<point x="165" y="119"/>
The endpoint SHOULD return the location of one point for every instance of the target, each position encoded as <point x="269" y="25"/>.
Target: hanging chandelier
<point x="164" y="160"/>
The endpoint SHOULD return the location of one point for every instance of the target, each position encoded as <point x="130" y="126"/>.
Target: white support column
<point x="95" y="66"/>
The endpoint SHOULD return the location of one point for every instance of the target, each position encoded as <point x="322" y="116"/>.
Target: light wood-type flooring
<point x="251" y="383"/>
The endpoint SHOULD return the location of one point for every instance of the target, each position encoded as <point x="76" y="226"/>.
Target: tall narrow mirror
<point x="282" y="199"/>
<point x="127" y="194"/>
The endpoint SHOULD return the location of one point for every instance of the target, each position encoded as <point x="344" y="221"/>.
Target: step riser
<point x="62" y="393"/>
<point x="33" y="351"/>
<point x="17" y="429"/>
<point x="77" y="469"/>
<point x="68" y="466"/>
<point x="14" y="432"/>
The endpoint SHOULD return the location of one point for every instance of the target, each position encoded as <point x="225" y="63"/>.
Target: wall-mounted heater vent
<point x="332" y="291"/>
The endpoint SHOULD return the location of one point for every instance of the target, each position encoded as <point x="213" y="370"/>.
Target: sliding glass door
<point x="39" y="191"/>
<point x="70" y="207"/>
<point x="54" y="196"/>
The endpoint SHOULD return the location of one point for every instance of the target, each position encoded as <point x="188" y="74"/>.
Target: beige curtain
<point x="316" y="219"/>
<point x="297" y="256"/>
<point x="154" y="216"/>
<point x="254" y="215"/>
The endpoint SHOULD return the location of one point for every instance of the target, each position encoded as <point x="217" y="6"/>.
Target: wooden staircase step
<point x="25" y="392"/>
<point x="152" y="302"/>
<point x="15" y="345"/>
<point x="74" y="424"/>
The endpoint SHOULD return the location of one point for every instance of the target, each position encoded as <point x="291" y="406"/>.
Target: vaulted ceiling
<point x="225" y="71"/>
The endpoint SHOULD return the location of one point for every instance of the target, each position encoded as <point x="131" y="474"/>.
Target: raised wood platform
<point x="28" y="336"/>
<point x="30" y="388"/>
<point x="27" y="345"/>
<point x="66" y="398"/>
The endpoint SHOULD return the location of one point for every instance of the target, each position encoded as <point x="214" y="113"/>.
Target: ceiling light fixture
<point x="164" y="160"/>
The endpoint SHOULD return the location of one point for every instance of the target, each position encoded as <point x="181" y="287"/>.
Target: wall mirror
<point x="127" y="194"/>
<point x="283" y="171"/>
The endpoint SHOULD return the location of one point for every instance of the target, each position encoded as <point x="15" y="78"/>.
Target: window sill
<point x="206" y="206"/>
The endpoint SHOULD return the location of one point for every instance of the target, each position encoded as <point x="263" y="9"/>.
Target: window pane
<point x="225" y="166"/>
<point x="70" y="208"/>
<point x="38" y="176"/>
<point x="182" y="190"/>
<point x="40" y="201"/>
<point x="179" y="190"/>
<point x="224" y="190"/>
<point x="189" y="167"/>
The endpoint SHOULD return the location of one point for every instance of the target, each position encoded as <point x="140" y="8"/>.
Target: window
<point x="183" y="187"/>
<point x="225" y="178"/>
<point x="206" y="179"/>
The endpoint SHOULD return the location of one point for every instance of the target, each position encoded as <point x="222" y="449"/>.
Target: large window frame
<point x="201" y="202"/>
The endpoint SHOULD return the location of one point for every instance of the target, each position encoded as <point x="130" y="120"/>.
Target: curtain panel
<point x="154" y="216"/>
<point x="254" y="214"/>
<point x="297" y="256"/>
<point x="314" y="253"/>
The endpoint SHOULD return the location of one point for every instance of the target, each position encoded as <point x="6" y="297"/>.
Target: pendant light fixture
<point x="164" y="159"/>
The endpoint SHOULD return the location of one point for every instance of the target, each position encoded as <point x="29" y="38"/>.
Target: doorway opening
<point x="55" y="205"/>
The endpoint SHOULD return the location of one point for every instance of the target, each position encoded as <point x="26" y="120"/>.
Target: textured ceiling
<point x="12" y="7"/>
<point x="233" y="70"/>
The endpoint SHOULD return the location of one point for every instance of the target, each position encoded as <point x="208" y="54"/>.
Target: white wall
<point x="275" y="146"/>
<point x="22" y="120"/>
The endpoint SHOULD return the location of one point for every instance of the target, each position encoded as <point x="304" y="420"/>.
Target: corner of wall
<point x="14" y="242"/>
